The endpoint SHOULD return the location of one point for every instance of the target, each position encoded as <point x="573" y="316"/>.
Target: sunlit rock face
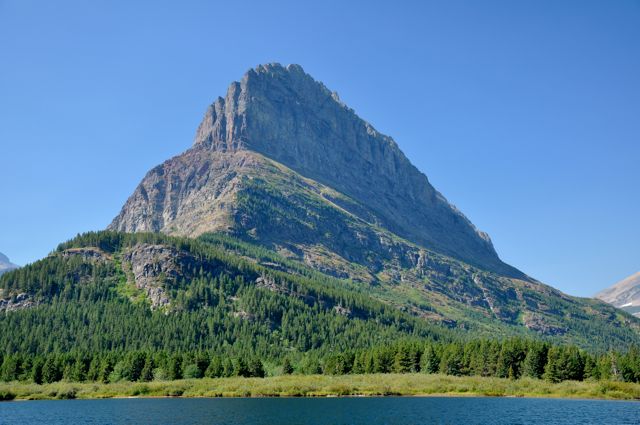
<point x="279" y="134"/>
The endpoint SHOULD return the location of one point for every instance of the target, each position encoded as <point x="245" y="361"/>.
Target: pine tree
<point x="175" y="367"/>
<point x="147" y="371"/>
<point x="591" y="368"/>
<point x="106" y="368"/>
<point x="430" y="360"/>
<point x="287" y="369"/>
<point x="36" y="370"/>
<point x="383" y="360"/>
<point x="451" y="361"/>
<point x="228" y="367"/>
<point x="403" y="362"/>
<point x="51" y="371"/>
<point x="358" y="364"/>
<point x="215" y="369"/>
<point x="256" y="369"/>
<point x="369" y="366"/>
<point x="535" y="360"/>
<point x="572" y="364"/>
<point x="241" y="368"/>
<point x="10" y="368"/>
<point x="552" y="371"/>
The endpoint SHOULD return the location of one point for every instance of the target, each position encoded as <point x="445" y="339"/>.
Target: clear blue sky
<point x="525" y="114"/>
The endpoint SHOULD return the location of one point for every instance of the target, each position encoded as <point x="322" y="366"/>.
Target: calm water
<point x="368" y="411"/>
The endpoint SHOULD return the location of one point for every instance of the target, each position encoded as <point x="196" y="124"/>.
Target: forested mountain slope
<point x="110" y="291"/>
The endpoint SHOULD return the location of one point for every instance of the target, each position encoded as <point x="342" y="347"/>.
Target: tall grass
<point x="323" y="385"/>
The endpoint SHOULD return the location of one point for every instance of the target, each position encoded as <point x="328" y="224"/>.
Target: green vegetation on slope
<point x="110" y="307"/>
<point x="304" y="221"/>
<point x="80" y="307"/>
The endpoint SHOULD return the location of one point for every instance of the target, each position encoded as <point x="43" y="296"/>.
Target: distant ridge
<point x="624" y="294"/>
<point x="5" y="264"/>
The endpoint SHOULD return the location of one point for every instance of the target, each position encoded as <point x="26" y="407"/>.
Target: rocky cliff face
<point x="282" y="135"/>
<point x="5" y="264"/>
<point x="624" y="294"/>
<point x="155" y="268"/>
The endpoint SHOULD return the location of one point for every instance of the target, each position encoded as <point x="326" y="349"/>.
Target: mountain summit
<point x="280" y="117"/>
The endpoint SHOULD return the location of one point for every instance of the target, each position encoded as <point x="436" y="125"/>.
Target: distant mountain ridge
<point x="5" y="264"/>
<point x="624" y="294"/>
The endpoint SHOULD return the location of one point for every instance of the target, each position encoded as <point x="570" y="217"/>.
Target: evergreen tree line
<point x="131" y="366"/>
<point x="513" y="358"/>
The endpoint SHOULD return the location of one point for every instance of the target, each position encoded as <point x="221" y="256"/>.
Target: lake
<point x="317" y="411"/>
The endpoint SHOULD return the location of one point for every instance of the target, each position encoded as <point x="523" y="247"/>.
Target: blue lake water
<point x="286" y="411"/>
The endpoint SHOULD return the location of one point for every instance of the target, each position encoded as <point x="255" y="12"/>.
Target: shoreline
<point x="325" y="386"/>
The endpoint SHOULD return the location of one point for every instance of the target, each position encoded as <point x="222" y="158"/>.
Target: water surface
<point x="317" y="411"/>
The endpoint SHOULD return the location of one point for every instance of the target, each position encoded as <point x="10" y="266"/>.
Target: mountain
<point x="5" y="264"/>
<point x="280" y="129"/>
<point x="624" y="294"/>
<point x="280" y="162"/>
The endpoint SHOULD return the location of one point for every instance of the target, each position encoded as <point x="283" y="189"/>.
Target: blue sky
<point x="525" y="114"/>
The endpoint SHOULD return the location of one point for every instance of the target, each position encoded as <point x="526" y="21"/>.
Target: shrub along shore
<point x="412" y="384"/>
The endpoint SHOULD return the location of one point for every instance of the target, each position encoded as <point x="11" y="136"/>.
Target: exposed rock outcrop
<point x="87" y="254"/>
<point x="155" y="268"/>
<point x="18" y="302"/>
<point x="270" y="284"/>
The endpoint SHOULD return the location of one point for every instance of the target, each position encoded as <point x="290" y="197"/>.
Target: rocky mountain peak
<point x="261" y="90"/>
<point x="281" y="114"/>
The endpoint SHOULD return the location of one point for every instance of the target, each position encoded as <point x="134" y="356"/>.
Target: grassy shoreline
<point x="326" y="386"/>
